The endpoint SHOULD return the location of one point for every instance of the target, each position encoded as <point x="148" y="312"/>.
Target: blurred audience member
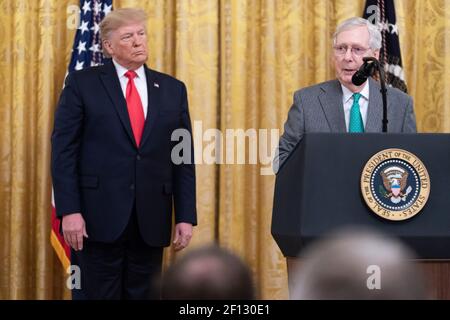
<point x="358" y="264"/>
<point x="208" y="273"/>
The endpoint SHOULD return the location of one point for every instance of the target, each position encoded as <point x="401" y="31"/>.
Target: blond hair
<point x="119" y="18"/>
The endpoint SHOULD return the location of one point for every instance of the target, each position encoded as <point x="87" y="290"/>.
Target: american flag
<point x="86" y="52"/>
<point x="87" y="49"/>
<point x="382" y="14"/>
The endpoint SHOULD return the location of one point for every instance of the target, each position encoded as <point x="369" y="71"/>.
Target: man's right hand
<point x="74" y="229"/>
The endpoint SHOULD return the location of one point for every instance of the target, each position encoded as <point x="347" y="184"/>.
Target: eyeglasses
<point x="356" y="51"/>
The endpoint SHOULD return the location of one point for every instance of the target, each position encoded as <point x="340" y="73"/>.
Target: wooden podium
<point x="436" y="274"/>
<point x="331" y="165"/>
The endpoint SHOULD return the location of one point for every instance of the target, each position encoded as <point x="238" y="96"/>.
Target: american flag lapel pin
<point x="156" y="85"/>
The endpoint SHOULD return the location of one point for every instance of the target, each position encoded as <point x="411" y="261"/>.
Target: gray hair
<point x="374" y="32"/>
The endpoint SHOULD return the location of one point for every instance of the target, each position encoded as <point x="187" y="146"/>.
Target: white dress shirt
<point x="347" y="101"/>
<point x="140" y="82"/>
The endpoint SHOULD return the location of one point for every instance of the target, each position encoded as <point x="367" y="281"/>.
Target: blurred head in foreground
<point x="208" y="273"/>
<point x="358" y="264"/>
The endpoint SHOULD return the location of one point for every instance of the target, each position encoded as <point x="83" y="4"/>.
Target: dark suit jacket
<point x="97" y="168"/>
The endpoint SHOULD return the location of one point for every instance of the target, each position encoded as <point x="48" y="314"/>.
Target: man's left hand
<point x="183" y="234"/>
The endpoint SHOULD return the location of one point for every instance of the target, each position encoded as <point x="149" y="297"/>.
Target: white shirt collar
<point x="122" y="70"/>
<point x="347" y="94"/>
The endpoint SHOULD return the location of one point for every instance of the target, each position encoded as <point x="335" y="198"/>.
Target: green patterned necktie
<point x="356" y="123"/>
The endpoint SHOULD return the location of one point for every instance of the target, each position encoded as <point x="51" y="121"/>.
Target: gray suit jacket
<point x="319" y="108"/>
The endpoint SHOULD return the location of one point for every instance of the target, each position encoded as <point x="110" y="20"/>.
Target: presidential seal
<point x="395" y="184"/>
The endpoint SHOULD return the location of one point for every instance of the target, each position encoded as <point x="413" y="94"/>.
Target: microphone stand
<point x="383" y="90"/>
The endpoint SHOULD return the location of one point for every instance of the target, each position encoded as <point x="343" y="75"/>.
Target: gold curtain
<point x="241" y="61"/>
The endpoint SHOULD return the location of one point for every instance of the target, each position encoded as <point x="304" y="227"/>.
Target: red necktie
<point x="135" y="109"/>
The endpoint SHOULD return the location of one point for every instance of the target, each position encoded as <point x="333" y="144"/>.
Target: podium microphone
<point x="365" y="71"/>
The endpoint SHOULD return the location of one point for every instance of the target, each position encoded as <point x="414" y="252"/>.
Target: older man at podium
<point x="338" y="105"/>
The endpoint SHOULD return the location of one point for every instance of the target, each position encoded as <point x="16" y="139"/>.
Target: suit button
<point x="132" y="186"/>
<point x="138" y="157"/>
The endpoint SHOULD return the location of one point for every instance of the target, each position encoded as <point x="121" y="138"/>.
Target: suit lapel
<point x="154" y="103"/>
<point x="375" y="108"/>
<point x="112" y="85"/>
<point x="331" y="102"/>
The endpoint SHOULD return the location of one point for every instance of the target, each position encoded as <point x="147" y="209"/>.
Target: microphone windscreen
<point x="358" y="78"/>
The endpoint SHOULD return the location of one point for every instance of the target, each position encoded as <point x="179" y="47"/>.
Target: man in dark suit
<point x="113" y="176"/>
<point x="339" y="105"/>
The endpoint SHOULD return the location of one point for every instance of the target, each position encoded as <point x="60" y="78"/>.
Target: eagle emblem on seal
<point x="395" y="180"/>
